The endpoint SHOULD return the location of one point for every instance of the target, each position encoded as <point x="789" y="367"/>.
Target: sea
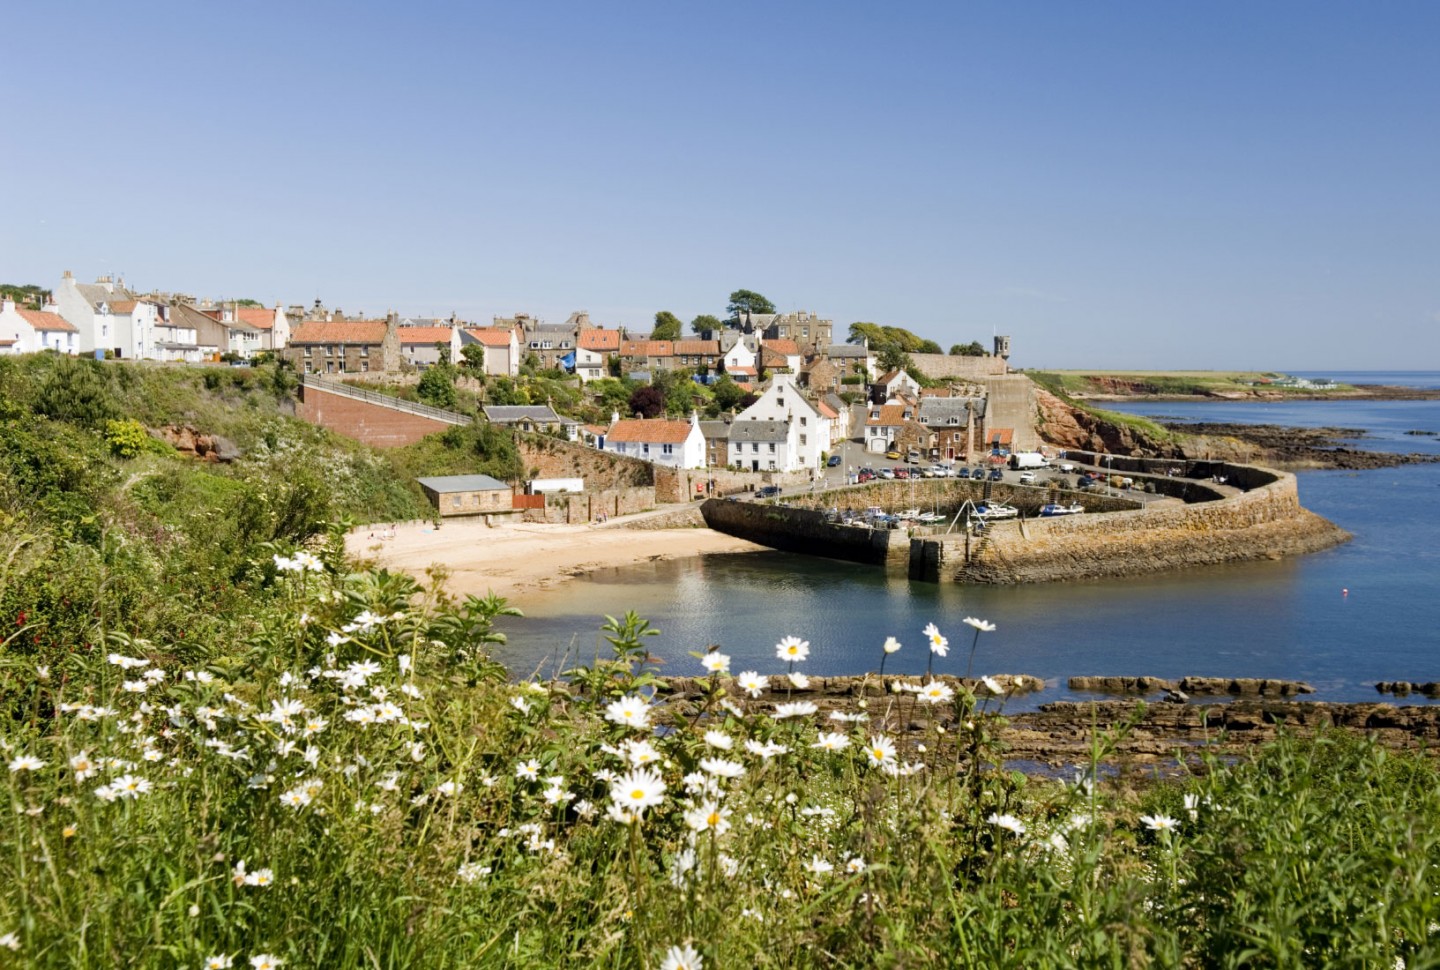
<point x="1340" y="620"/>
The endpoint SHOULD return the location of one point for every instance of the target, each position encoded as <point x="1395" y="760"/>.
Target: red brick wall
<point x="377" y="426"/>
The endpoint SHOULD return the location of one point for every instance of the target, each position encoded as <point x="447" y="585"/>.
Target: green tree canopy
<point x="972" y="349"/>
<point x="747" y="301"/>
<point x="667" y="326"/>
<point x="706" y="321"/>
<point x="726" y="392"/>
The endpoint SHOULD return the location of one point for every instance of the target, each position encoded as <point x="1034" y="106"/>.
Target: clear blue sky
<point x="1114" y="184"/>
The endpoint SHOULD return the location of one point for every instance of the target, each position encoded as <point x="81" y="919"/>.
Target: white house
<point x="27" y="331"/>
<point x="86" y="306"/>
<point x="421" y="345"/>
<point x="898" y="382"/>
<point x="883" y="425"/>
<point x="676" y="444"/>
<point x="809" y="430"/>
<point x="593" y="350"/>
<point x="760" y="446"/>
<point x="502" y="348"/>
<point x="741" y="356"/>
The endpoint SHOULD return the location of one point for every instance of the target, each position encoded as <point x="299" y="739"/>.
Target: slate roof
<point x="661" y="431"/>
<point x="940" y="410"/>
<point x="846" y="351"/>
<point x="339" y="332"/>
<point x="445" y="484"/>
<point x="96" y="294"/>
<point x="511" y="413"/>
<point x="760" y="431"/>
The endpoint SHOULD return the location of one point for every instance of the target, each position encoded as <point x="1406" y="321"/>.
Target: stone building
<point x="345" y="347"/>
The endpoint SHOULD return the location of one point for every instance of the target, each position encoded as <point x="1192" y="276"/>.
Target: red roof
<point x="426" y="335"/>
<point x="826" y="410"/>
<point x="599" y="339"/>
<point x="50" y="322"/>
<point x="1002" y="435"/>
<point x="655" y="431"/>
<point x="491" y="337"/>
<point x="787" y="347"/>
<point x="890" y="415"/>
<point x="697" y="347"/>
<point x="739" y="369"/>
<point x="647" y="348"/>
<point x="256" y="316"/>
<point x="339" y="332"/>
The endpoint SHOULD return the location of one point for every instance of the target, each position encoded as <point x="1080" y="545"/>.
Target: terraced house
<point x="345" y="346"/>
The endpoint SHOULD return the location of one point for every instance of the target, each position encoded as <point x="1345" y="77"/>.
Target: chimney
<point x="614" y="418"/>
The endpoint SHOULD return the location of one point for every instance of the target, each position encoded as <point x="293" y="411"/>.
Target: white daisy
<point x="716" y="663"/>
<point x="792" y="649"/>
<point x="938" y="644"/>
<point x="752" y="683"/>
<point x="638" y="790"/>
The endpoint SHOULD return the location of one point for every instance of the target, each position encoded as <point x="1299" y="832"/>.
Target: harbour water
<point x="1342" y="619"/>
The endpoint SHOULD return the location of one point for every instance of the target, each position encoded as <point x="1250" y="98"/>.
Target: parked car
<point x="901" y="471"/>
<point x="913" y="457"/>
<point x="1065" y="466"/>
<point x="864" y="475"/>
<point x="768" y="491"/>
<point x="1027" y="478"/>
<point x="834" y="462"/>
<point x="893" y="455"/>
<point x="996" y="475"/>
<point x="885" y="473"/>
<point x="1086" y="482"/>
<point x="978" y="475"/>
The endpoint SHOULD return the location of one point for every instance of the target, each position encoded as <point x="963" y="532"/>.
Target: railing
<point x="383" y="400"/>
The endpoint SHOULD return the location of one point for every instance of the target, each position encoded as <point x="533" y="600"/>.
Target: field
<point x="1138" y="383"/>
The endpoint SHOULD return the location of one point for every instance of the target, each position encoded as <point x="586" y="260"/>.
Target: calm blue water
<point x="1290" y="619"/>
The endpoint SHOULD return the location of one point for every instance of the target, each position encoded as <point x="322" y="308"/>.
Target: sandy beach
<point x="513" y="558"/>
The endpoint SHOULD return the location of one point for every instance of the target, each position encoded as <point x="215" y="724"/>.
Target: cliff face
<point x="1065" y="426"/>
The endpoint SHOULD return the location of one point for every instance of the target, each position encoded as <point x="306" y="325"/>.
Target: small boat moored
<point x="1074" y="508"/>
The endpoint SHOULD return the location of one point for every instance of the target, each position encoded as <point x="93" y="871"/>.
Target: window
<point x="772" y="464"/>
<point x="802" y="420"/>
<point x="667" y="449"/>
<point x="307" y="351"/>
<point x="754" y="446"/>
<point x="364" y="351"/>
<point x="645" y="449"/>
<point x="802" y="439"/>
<point x="780" y="402"/>
<point x="772" y="447"/>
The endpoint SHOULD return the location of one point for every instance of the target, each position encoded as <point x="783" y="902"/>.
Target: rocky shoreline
<point x="1151" y="736"/>
<point x="1293" y="448"/>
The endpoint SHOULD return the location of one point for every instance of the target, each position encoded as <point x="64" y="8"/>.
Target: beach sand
<point x="512" y="558"/>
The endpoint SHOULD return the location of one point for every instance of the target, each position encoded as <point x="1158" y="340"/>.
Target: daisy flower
<point x="708" y="817"/>
<point x="26" y="762"/>
<point x="891" y="645"/>
<point x="631" y="711"/>
<point x="223" y="961"/>
<point x="792" y="649"/>
<point x="638" y="790"/>
<point x="265" y="961"/>
<point x="528" y="770"/>
<point x="936" y="692"/>
<point x="719" y="739"/>
<point x="938" y="644"/>
<point x="752" y="683"/>
<point x="881" y="750"/>
<point x="794" y="709"/>
<point x="1007" y="822"/>
<point x="716" y="663"/>
<point x="1160" y="823"/>
<point x="798" y="680"/>
<point x="130" y="786"/>
<point x="682" y="958"/>
<point x="979" y="625"/>
<point x="721" y="768"/>
<point x="831" y="741"/>
<point x="992" y="685"/>
<point x="818" y="866"/>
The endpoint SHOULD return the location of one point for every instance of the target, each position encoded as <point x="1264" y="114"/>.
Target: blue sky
<point x="1227" y="185"/>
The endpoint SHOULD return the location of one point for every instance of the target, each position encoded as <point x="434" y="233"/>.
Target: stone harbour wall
<point x="1265" y="523"/>
<point x="805" y="530"/>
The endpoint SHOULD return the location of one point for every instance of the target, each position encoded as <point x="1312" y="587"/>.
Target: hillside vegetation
<point x="1126" y="383"/>
<point x="226" y="746"/>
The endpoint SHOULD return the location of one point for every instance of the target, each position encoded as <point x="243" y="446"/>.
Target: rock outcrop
<point x="198" y="444"/>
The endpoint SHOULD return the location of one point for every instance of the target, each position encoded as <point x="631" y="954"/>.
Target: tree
<point x="747" y="301"/>
<point x="727" y="393"/>
<point x="472" y="358"/>
<point x="893" y="358"/>
<point x="647" y="401"/>
<point x="704" y="322"/>
<point x="972" y="349"/>
<point x="667" y="326"/>
<point x="929" y="347"/>
<point x="437" y="386"/>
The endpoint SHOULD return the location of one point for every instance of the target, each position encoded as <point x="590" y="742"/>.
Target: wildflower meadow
<point x="353" y="782"/>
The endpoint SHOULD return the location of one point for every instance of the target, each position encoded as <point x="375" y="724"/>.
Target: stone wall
<point x="945" y="367"/>
<point x="547" y="457"/>
<point x="1011" y="403"/>
<point x="576" y="507"/>
<point x="805" y="530"/>
<point x="379" y="427"/>
<point x="680" y="484"/>
<point x="1265" y="523"/>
